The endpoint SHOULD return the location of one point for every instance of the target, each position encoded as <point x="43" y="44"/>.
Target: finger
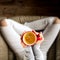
<point x="23" y="45"/>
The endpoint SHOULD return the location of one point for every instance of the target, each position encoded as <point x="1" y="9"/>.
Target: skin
<point x="3" y="23"/>
<point x="57" y="21"/>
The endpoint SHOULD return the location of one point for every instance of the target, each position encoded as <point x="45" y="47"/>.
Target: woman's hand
<point x="39" y="36"/>
<point x="42" y="38"/>
<point x="24" y="45"/>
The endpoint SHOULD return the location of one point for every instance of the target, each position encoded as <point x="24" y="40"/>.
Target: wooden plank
<point x="15" y="10"/>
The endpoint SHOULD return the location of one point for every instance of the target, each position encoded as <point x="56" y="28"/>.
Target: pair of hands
<point x="40" y="38"/>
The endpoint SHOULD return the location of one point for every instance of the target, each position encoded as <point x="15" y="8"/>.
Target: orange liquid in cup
<point x="29" y="38"/>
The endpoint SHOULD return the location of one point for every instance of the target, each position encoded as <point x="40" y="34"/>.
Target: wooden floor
<point x="32" y="7"/>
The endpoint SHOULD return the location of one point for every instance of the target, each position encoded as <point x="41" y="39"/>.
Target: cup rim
<point x="33" y="42"/>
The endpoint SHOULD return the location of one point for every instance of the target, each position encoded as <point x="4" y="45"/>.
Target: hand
<point x="41" y="36"/>
<point x="24" y="45"/>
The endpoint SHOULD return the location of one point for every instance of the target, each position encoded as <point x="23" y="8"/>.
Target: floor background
<point x="30" y="7"/>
